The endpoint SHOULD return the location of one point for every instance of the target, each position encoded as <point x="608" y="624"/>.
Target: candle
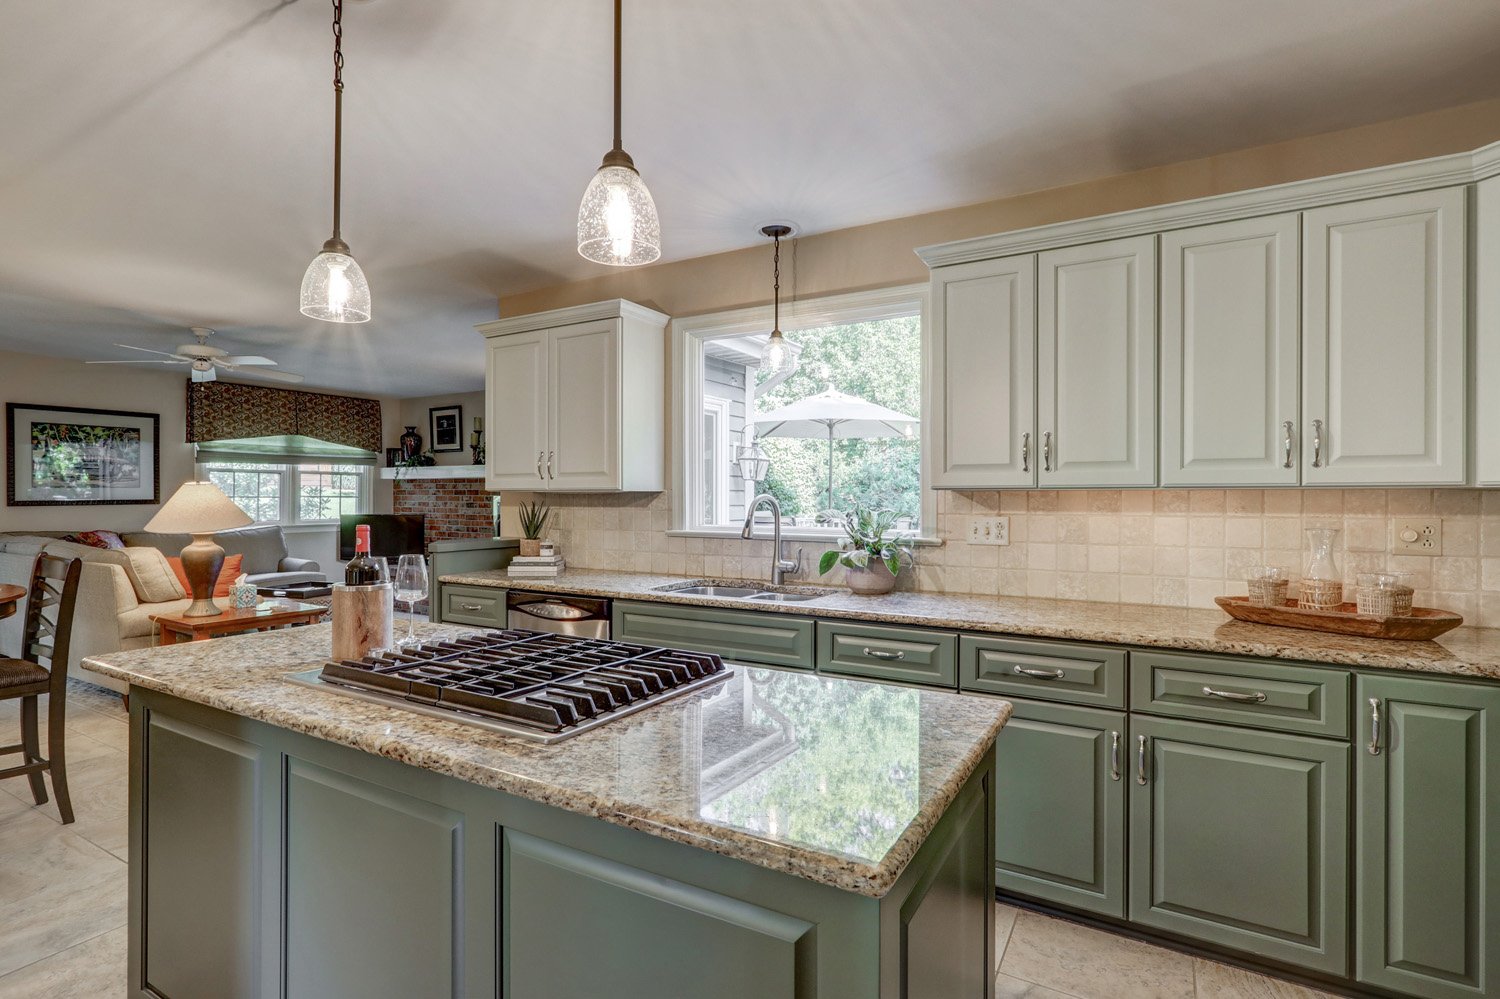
<point x="474" y="439"/>
<point x="478" y="424"/>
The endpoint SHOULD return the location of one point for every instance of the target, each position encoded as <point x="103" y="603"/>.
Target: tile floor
<point x="62" y="899"/>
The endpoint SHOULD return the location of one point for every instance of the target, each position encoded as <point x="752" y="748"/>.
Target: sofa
<point x="120" y="589"/>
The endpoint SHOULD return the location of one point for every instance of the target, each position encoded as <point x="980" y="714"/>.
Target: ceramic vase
<point x="411" y="443"/>
<point x="873" y="580"/>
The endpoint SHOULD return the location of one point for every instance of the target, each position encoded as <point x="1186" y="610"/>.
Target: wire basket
<point x="1321" y="594"/>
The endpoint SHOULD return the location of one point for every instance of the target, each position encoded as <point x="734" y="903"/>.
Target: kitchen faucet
<point x="780" y="566"/>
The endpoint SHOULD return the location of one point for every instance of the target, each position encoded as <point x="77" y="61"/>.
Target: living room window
<point x="843" y="427"/>
<point x="290" y="494"/>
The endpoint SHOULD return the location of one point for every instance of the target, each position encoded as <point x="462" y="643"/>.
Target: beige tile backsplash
<point x="1173" y="547"/>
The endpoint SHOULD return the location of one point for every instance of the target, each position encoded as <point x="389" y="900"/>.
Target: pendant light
<point x="334" y="288"/>
<point x="617" y="221"/>
<point x="776" y="356"/>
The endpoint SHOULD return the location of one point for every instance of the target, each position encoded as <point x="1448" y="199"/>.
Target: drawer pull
<point x="1114" y="756"/>
<point x="882" y="654"/>
<point x="1140" y="759"/>
<point x="471" y="607"/>
<point x="1038" y="674"/>
<point x="1230" y="695"/>
<point x="1374" y="726"/>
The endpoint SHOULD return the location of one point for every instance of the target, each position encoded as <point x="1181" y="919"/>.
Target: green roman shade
<point x="283" y="450"/>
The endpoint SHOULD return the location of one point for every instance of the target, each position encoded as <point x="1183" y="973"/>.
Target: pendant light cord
<point x="776" y="278"/>
<point x="338" y="113"/>
<point x="618" y="17"/>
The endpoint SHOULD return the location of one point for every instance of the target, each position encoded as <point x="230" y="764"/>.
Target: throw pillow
<point x="158" y="583"/>
<point x="97" y="539"/>
<point x="88" y="553"/>
<point x="227" y="575"/>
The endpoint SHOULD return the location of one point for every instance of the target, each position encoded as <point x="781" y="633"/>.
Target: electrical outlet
<point x="1410" y="536"/>
<point x="989" y="531"/>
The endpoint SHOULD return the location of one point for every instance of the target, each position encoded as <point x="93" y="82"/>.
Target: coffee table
<point x="176" y="628"/>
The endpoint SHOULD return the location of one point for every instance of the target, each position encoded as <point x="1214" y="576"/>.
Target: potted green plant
<point x="870" y="559"/>
<point x="534" y="517"/>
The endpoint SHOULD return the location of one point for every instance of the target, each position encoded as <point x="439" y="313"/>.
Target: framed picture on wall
<point x="445" y="428"/>
<point x="65" y="456"/>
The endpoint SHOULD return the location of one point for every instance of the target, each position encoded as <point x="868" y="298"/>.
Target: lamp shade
<point x="198" y="508"/>
<point x="617" y="221"/>
<point x="334" y="289"/>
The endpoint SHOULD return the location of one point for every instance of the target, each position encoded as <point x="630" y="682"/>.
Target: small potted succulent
<point x="870" y="559"/>
<point x="534" y="517"/>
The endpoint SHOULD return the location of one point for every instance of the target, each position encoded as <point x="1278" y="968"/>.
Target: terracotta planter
<point x="873" y="580"/>
<point x="531" y="547"/>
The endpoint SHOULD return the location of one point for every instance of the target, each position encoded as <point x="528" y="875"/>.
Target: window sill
<point x="789" y="534"/>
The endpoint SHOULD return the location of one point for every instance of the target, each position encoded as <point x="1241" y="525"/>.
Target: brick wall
<point x="454" y="508"/>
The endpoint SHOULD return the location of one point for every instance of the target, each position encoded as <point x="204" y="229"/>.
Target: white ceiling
<point x="165" y="162"/>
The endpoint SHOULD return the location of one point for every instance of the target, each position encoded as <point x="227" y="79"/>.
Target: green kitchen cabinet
<point x="1240" y="838"/>
<point x="881" y="652"/>
<point x="1060" y="806"/>
<point x="744" y="636"/>
<point x="1427" y="836"/>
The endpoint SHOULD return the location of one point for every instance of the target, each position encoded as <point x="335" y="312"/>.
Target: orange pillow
<point x="227" y="574"/>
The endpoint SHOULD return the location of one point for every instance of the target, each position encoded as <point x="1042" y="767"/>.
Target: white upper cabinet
<point x="982" y="375"/>
<point x="575" y="401"/>
<point x="1229" y="342"/>
<point x="1096" y="364"/>
<point x="1383" y="334"/>
<point x="1487" y="332"/>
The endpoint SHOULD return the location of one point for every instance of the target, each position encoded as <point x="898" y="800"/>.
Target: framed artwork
<point x="444" y="424"/>
<point x="66" y="456"/>
<point x="392" y="456"/>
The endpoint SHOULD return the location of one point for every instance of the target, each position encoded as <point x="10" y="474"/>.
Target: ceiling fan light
<point x="617" y="221"/>
<point x="334" y="289"/>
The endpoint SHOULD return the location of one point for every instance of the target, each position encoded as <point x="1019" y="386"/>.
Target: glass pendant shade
<point x="775" y="356"/>
<point x="617" y="221"/>
<point x="334" y="289"/>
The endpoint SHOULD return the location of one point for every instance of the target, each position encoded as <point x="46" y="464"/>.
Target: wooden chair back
<point x="48" y="629"/>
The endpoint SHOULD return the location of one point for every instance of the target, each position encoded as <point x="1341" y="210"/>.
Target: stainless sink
<point x="720" y="591"/>
<point x="769" y="597"/>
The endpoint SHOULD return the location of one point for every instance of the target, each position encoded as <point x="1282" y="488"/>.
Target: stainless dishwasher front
<point x="585" y="617"/>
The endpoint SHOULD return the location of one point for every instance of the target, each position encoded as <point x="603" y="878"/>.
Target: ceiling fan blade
<point x="142" y="361"/>
<point x="275" y="376"/>
<point x="246" y="359"/>
<point x="146" y="350"/>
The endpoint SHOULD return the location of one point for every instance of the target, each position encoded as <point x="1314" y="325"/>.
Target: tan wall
<point x="414" y="413"/>
<point x="880" y="255"/>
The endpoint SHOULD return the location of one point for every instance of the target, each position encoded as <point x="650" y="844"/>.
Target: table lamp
<point x="202" y="510"/>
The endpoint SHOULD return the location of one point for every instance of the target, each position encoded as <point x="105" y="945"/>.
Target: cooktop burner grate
<point x="530" y="683"/>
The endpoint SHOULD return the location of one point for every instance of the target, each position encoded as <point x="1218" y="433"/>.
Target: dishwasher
<point x="585" y="617"/>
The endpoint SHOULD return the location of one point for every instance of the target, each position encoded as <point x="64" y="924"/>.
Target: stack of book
<point x="535" y="566"/>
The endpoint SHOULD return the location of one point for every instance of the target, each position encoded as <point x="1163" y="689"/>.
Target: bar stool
<point x="54" y="587"/>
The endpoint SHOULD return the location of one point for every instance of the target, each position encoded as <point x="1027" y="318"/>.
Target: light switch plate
<point x="1416" y="536"/>
<point x="989" y="531"/>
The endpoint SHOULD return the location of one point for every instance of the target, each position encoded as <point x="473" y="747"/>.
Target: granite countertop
<point x="1473" y="652"/>
<point x="836" y="781"/>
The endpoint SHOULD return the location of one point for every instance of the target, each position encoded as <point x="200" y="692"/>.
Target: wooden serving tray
<point x="1423" y="624"/>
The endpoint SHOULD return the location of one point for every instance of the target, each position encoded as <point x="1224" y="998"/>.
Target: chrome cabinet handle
<point x="549" y="463"/>
<point x="1286" y="444"/>
<point x="1374" y="726"/>
<point x="1317" y="461"/>
<point x="882" y="654"/>
<point x="471" y="607"/>
<point x="1140" y="759"/>
<point x="1026" y="451"/>
<point x="1114" y="756"/>
<point x="1038" y="674"/>
<point x="1230" y="695"/>
<point x="1047" y="451"/>
<point x="539" y="465"/>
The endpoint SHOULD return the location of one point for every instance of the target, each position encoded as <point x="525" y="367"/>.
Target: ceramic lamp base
<point x="201" y="562"/>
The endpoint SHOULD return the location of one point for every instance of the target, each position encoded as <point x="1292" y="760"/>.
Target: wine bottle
<point x="360" y="570"/>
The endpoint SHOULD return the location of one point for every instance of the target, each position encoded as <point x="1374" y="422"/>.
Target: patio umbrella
<point x="833" y="415"/>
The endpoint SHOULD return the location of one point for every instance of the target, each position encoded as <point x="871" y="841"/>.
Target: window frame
<point x="688" y="336"/>
<point x="290" y="490"/>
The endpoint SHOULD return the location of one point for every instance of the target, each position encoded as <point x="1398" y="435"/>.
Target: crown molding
<point x="614" y="308"/>
<point x="1375" y="182"/>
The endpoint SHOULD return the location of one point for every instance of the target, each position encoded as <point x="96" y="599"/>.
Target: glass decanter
<point x="1322" y="585"/>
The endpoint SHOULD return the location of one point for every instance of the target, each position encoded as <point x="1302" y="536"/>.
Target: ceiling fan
<point x="206" y="361"/>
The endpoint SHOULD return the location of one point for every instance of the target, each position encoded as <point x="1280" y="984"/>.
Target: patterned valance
<point x="219" y="411"/>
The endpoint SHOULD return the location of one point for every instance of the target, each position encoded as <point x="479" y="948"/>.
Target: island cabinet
<point x="574" y="399"/>
<point x="1427" y="838"/>
<point x="266" y="863"/>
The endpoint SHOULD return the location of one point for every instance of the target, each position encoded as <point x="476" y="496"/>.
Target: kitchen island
<point x="778" y="834"/>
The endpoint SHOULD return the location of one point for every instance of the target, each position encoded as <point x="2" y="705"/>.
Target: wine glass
<point x="411" y="586"/>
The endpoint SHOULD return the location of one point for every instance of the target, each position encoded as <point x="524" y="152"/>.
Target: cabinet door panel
<point x="516" y="410"/>
<point x="1096" y="363"/>
<point x="1239" y="838"/>
<point x="983" y="374"/>
<point x="1427" y="845"/>
<point x="1229" y="340"/>
<point x="1384" y="341"/>
<point x="584" y="407"/>
<point x="1060" y="808"/>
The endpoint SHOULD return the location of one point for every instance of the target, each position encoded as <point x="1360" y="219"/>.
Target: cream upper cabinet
<point x="1487" y="332"/>
<point x="1096" y="364"/>
<point x="575" y="400"/>
<point x="1383" y="333"/>
<point x="1229" y="342"/>
<point x="982" y="375"/>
